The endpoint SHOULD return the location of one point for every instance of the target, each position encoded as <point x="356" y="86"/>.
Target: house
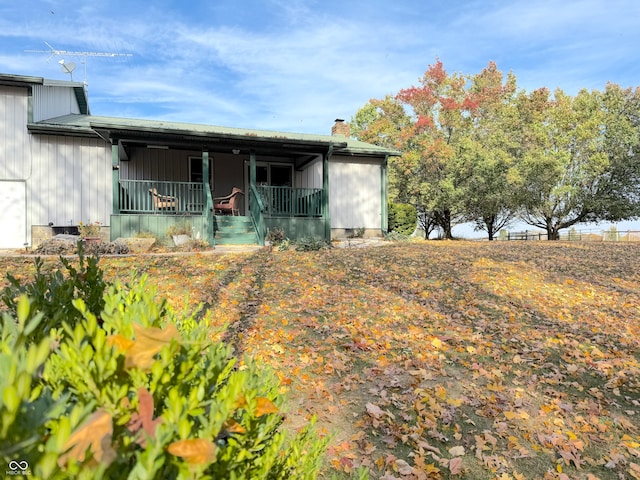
<point x="60" y="165"/>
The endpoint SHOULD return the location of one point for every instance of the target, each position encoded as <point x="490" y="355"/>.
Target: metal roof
<point x="115" y="127"/>
<point x="123" y="128"/>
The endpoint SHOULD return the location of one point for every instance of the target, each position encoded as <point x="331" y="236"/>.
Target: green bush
<point x="276" y="235"/>
<point x="25" y="405"/>
<point x="396" y="236"/>
<point x="52" y="293"/>
<point x="137" y="392"/>
<point x="403" y="218"/>
<point x="310" y="244"/>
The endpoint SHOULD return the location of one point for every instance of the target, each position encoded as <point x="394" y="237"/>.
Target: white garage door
<point x="13" y="214"/>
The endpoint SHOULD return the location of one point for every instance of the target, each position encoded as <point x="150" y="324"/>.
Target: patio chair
<point x="162" y="202"/>
<point x="228" y="205"/>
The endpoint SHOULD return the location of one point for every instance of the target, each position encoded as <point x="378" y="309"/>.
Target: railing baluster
<point x="134" y="196"/>
<point x="291" y="201"/>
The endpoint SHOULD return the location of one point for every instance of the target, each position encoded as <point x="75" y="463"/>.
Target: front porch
<point x="170" y="174"/>
<point x="154" y="206"/>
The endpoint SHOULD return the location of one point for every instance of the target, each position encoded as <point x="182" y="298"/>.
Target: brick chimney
<point x="341" y="128"/>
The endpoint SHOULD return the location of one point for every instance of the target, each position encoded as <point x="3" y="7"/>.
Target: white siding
<point x="13" y="208"/>
<point x="14" y="138"/>
<point x="51" y="102"/>
<point x="67" y="179"/>
<point x="310" y="176"/>
<point x="70" y="181"/>
<point x="354" y="193"/>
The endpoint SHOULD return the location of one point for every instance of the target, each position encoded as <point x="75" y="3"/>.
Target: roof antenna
<point x="55" y="52"/>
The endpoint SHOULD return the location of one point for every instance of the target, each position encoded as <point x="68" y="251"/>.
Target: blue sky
<point x="296" y="65"/>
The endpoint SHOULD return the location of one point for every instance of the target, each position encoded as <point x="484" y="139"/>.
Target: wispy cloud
<point x="297" y="64"/>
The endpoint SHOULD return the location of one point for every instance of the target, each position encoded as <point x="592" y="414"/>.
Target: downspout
<point x="384" y="205"/>
<point x="208" y="201"/>
<point x="252" y="169"/>
<point x="115" y="184"/>
<point x="325" y="194"/>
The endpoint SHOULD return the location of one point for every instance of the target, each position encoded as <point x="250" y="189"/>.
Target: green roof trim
<point x="87" y="124"/>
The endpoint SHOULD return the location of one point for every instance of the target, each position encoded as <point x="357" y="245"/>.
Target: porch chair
<point x="162" y="202"/>
<point x="228" y="205"/>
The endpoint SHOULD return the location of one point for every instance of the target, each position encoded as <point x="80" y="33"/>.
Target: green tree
<point x="429" y="123"/>
<point x="490" y="199"/>
<point x="403" y="218"/>
<point x="457" y="137"/>
<point x="578" y="162"/>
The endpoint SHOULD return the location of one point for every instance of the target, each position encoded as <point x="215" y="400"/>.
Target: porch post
<point x="208" y="201"/>
<point x="115" y="177"/>
<point x="325" y="194"/>
<point x="384" y="207"/>
<point x="252" y="168"/>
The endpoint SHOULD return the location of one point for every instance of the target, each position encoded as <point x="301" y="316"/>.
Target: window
<point x="195" y="169"/>
<point x="273" y="175"/>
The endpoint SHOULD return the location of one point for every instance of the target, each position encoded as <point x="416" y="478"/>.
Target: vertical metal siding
<point x="310" y="176"/>
<point x="51" y="102"/>
<point x="71" y="181"/>
<point x="165" y="165"/>
<point x="14" y="137"/>
<point x="354" y="200"/>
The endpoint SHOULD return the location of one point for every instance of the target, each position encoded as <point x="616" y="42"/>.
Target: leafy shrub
<point x="107" y="248"/>
<point x="91" y="229"/>
<point x="403" y="218"/>
<point x="180" y="228"/>
<point x="396" y="236"/>
<point x="24" y="405"/>
<point x="192" y="245"/>
<point x="55" y="246"/>
<point x="309" y="244"/>
<point x="283" y="245"/>
<point x="276" y="235"/>
<point x="52" y="293"/>
<point x="140" y="394"/>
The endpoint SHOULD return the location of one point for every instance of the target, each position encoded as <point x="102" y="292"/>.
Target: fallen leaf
<point x="456" y="451"/>
<point x="374" y="410"/>
<point x="403" y="467"/>
<point x="264" y="406"/>
<point x="232" y="426"/>
<point x="120" y="342"/>
<point x="455" y="465"/>
<point x="196" y="451"/>
<point x="144" y="418"/>
<point x="148" y="342"/>
<point x="94" y="434"/>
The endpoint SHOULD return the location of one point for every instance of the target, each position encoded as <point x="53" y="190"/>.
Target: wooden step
<point x="234" y="230"/>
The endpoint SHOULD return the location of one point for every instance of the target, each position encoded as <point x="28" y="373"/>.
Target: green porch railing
<point x="256" y="209"/>
<point x="155" y="196"/>
<point x="291" y="202"/>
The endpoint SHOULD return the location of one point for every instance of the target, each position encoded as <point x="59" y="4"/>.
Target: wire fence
<point x="611" y="235"/>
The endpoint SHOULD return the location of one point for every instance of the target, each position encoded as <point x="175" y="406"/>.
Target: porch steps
<point x="230" y="230"/>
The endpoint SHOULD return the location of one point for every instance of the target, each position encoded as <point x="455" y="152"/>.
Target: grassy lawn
<point x="436" y="360"/>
